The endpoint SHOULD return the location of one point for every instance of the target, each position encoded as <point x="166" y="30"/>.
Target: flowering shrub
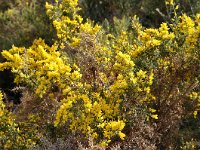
<point x="98" y="104"/>
<point x="12" y="134"/>
<point x="104" y="80"/>
<point x="174" y="57"/>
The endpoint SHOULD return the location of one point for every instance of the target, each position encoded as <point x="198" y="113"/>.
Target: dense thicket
<point x="100" y="77"/>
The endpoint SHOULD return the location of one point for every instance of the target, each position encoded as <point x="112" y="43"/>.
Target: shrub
<point x="14" y="135"/>
<point x="108" y="83"/>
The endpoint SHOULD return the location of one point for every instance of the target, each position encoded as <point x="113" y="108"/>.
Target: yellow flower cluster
<point x="169" y="2"/>
<point x="195" y="96"/>
<point x="190" y="28"/>
<point x="2" y="106"/>
<point x="65" y="19"/>
<point x="11" y="136"/>
<point x="164" y="33"/>
<point x="123" y="62"/>
<point x="151" y="38"/>
<point x="184" y="37"/>
<point x="68" y="23"/>
<point x="95" y="114"/>
<point x="41" y="67"/>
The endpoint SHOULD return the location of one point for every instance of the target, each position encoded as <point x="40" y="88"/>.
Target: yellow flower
<point x="152" y="110"/>
<point x="154" y="116"/>
<point x="94" y="135"/>
<point x="75" y="42"/>
<point x="195" y="114"/>
<point x="141" y="74"/>
<point x="169" y="2"/>
<point x="1" y="96"/>
<point x="104" y="143"/>
<point x="117" y="125"/>
<point x="75" y="75"/>
<point x="121" y="135"/>
<point x="66" y="90"/>
<point x="147" y="90"/>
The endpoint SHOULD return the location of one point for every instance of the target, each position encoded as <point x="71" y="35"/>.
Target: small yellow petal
<point x="154" y="116"/>
<point x="121" y="135"/>
<point x="195" y="114"/>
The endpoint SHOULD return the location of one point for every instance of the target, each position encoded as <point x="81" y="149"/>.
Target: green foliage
<point x="23" y="21"/>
